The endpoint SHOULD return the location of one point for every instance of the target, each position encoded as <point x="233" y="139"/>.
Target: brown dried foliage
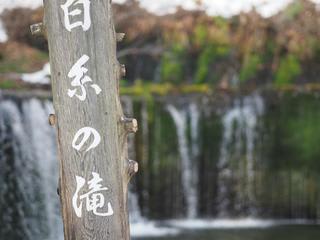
<point x="17" y="24"/>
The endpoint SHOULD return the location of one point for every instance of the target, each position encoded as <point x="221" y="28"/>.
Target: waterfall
<point x="189" y="173"/>
<point x="12" y="135"/>
<point x="29" y="204"/>
<point x="231" y="175"/>
<point x="134" y="209"/>
<point x="42" y="136"/>
<point x="239" y="131"/>
<point x="29" y="157"/>
<point x="252" y="110"/>
<point x="194" y="124"/>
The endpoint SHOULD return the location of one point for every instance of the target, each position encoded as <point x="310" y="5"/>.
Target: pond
<point x="274" y="233"/>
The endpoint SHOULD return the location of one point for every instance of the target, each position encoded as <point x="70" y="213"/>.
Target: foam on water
<point x="176" y="227"/>
<point x="235" y="223"/>
<point x="151" y="229"/>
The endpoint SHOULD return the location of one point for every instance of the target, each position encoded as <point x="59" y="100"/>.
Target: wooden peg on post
<point x="120" y="37"/>
<point x="92" y="142"/>
<point x="133" y="168"/>
<point x="37" y="29"/>
<point x="52" y="119"/>
<point x="131" y="124"/>
<point x="123" y="70"/>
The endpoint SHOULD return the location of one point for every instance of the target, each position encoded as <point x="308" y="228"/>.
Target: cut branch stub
<point x="120" y="36"/>
<point x="52" y="119"/>
<point x="123" y="70"/>
<point x="133" y="168"/>
<point x="131" y="124"/>
<point x="37" y="29"/>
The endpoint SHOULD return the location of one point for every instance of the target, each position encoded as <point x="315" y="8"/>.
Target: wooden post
<point x="92" y="131"/>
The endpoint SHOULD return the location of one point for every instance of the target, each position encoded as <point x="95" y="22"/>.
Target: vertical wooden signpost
<point x="92" y="131"/>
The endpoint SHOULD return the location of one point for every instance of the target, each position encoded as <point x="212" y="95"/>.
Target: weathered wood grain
<point x="102" y="112"/>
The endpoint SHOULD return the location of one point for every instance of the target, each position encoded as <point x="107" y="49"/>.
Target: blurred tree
<point x="17" y="23"/>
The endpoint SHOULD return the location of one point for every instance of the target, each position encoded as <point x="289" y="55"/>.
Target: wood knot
<point x="130" y="124"/>
<point x="37" y="29"/>
<point x="120" y="37"/>
<point x="52" y="119"/>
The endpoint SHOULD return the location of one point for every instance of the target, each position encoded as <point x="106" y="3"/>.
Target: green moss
<point x="138" y="89"/>
<point x="147" y="90"/>
<point x="289" y="69"/>
<point x="250" y="66"/>
<point x="196" y="88"/>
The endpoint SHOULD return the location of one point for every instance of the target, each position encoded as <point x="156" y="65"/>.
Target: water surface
<point x="294" y="232"/>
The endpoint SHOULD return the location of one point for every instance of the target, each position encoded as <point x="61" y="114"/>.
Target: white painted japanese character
<point x="85" y="133"/>
<point x="78" y="72"/>
<point x="86" y="23"/>
<point x="94" y="198"/>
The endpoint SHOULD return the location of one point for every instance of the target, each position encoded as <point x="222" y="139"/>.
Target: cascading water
<point x="236" y="179"/>
<point x="42" y="136"/>
<point x="194" y="115"/>
<point x="27" y="157"/>
<point x="189" y="170"/>
<point x="134" y="209"/>
<point x="239" y="124"/>
<point x="29" y="204"/>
